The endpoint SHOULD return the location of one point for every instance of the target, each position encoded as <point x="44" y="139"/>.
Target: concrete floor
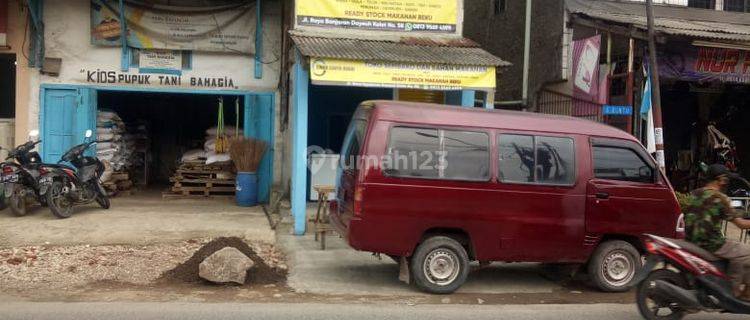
<point x="142" y="218"/>
<point x="342" y="270"/>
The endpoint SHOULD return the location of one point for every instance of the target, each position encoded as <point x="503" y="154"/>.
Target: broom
<point x="246" y="153"/>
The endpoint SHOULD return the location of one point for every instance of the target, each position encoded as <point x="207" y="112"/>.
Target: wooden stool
<point x="321" y="222"/>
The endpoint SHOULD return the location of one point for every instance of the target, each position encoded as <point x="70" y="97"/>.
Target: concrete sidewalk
<point x="342" y="270"/>
<point x="144" y="218"/>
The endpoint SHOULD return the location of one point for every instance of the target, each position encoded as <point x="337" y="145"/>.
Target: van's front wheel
<point x="613" y="266"/>
<point x="439" y="265"/>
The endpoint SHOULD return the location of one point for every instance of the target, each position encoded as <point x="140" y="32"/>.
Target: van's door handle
<point x="602" y="195"/>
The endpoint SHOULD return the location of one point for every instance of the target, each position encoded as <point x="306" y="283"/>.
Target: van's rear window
<point x="355" y="136"/>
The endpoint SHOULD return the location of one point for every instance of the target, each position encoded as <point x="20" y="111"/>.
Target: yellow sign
<point x="401" y="75"/>
<point x="439" y="16"/>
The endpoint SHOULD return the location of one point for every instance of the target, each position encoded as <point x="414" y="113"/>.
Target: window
<point x="413" y="152"/>
<point x="622" y="164"/>
<point x="437" y="153"/>
<point x="467" y="155"/>
<point x="555" y="160"/>
<point x="516" y="158"/>
<point x="542" y="160"/>
<point x="352" y="143"/>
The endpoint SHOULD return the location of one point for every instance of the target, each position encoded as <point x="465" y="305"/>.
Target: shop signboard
<point x="382" y="74"/>
<point x="227" y="28"/>
<point x="705" y="64"/>
<point x="160" y="61"/>
<point x="611" y="110"/>
<point x="586" y="68"/>
<point x="433" y="16"/>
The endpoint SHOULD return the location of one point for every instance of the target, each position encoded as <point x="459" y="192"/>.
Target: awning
<point x="415" y="63"/>
<point x="670" y="20"/>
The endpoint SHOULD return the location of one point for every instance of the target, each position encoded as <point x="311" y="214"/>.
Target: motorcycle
<point x="67" y="186"/>
<point x="681" y="278"/>
<point x="20" y="176"/>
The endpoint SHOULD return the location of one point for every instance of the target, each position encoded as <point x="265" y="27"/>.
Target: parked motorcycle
<point x="20" y="176"/>
<point x="68" y="186"/>
<point x="681" y="278"/>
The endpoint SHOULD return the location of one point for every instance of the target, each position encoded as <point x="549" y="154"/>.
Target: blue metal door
<point x="258" y="123"/>
<point x="66" y="115"/>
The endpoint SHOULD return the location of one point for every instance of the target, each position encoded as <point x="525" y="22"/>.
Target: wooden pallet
<point x="206" y="191"/>
<point x="172" y="195"/>
<point x="200" y="174"/>
<point x="180" y="181"/>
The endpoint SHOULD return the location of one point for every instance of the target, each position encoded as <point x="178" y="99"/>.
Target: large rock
<point x="225" y="265"/>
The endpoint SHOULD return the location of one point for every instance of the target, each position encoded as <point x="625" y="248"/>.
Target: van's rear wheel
<point x="439" y="265"/>
<point x="613" y="266"/>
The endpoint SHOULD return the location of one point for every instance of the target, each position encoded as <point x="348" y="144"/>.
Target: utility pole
<point x="655" y="89"/>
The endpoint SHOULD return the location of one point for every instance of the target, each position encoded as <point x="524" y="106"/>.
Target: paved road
<point x="232" y="311"/>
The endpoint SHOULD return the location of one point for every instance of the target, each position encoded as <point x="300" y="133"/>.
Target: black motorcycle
<point x="20" y="178"/>
<point x="79" y="184"/>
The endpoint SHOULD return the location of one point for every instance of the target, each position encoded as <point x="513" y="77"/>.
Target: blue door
<point x="66" y="115"/>
<point x="258" y="121"/>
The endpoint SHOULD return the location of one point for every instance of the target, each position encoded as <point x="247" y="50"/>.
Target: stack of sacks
<point x="209" y="147"/>
<point x="109" y="130"/>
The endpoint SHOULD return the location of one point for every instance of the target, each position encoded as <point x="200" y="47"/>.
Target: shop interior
<point x="688" y="109"/>
<point x="153" y="142"/>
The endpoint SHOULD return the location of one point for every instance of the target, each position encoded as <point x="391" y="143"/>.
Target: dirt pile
<point x="261" y="273"/>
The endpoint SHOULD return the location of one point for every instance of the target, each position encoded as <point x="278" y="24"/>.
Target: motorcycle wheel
<point x="102" y="200"/>
<point x="58" y="201"/>
<point x="653" y="307"/>
<point x="3" y="203"/>
<point x="17" y="205"/>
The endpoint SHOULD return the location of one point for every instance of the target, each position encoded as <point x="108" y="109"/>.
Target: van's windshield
<point x="354" y="138"/>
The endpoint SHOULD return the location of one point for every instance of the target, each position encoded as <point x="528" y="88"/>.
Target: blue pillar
<point x="299" y="146"/>
<point x="467" y="98"/>
<point x="258" y="41"/>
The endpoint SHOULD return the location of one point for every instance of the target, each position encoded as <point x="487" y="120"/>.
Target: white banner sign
<point x="157" y="60"/>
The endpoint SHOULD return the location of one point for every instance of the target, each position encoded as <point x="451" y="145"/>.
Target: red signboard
<point x="705" y="64"/>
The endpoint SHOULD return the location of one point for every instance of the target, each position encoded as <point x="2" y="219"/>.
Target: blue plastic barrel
<point x="247" y="189"/>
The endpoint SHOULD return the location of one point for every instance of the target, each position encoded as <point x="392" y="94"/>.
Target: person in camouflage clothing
<point x="708" y="208"/>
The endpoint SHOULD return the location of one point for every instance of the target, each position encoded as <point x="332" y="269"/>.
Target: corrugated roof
<point x="673" y="20"/>
<point x="415" y="50"/>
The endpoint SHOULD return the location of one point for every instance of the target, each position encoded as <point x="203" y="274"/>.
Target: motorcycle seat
<point x="696" y="250"/>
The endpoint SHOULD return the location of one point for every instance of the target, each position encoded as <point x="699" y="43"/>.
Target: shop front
<point x="333" y="75"/>
<point x="157" y="103"/>
<point x="704" y="96"/>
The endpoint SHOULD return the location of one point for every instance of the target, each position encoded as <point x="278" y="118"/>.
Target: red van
<point x="435" y="187"/>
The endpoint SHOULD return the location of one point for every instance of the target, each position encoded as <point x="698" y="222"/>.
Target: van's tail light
<point x="358" y="195"/>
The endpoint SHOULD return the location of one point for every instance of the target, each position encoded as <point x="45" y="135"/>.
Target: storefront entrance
<point x="146" y="136"/>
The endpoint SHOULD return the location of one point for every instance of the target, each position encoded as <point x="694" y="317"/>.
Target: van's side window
<point x="437" y="153"/>
<point x="467" y="155"/>
<point x="537" y="159"/>
<point x="413" y="152"/>
<point x="516" y="158"/>
<point x="613" y="163"/>
<point x="555" y="160"/>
